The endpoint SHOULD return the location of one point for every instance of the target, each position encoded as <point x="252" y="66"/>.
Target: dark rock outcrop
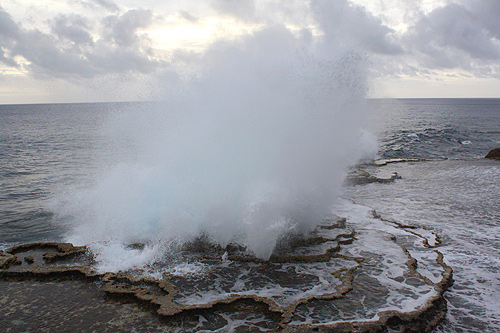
<point x="362" y="177"/>
<point x="494" y="154"/>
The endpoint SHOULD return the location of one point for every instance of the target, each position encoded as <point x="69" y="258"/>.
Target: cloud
<point x="122" y="28"/>
<point x="9" y="31"/>
<point x="109" y="5"/>
<point x="342" y="20"/>
<point x="45" y="56"/>
<point x="117" y="60"/>
<point x="89" y="46"/>
<point x="100" y="39"/>
<point x="487" y="12"/>
<point x="242" y="9"/>
<point x="188" y="16"/>
<point x="71" y="50"/>
<point x="8" y="28"/>
<point x="454" y="28"/>
<point x="455" y="38"/>
<point x="72" y="27"/>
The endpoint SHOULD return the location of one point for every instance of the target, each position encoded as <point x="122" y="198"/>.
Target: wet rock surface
<point x="363" y="174"/>
<point x="363" y="177"/>
<point x="54" y="286"/>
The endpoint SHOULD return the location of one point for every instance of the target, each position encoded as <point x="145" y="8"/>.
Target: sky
<point x="104" y="50"/>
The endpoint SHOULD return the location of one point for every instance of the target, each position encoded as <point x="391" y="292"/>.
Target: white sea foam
<point x="457" y="200"/>
<point x="186" y="269"/>
<point x="413" y="136"/>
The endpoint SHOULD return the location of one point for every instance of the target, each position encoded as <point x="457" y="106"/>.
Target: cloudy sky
<point x="117" y="50"/>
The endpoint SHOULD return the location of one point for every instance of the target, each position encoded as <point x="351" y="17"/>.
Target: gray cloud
<point x="72" y="27"/>
<point x="463" y="37"/>
<point x="454" y="28"/>
<point x="72" y="51"/>
<point x="119" y="60"/>
<point x="340" y="20"/>
<point x="109" y="5"/>
<point x="242" y="9"/>
<point x="456" y="39"/>
<point x="122" y="28"/>
<point x="45" y="56"/>
<point x="460" y="37"/>
<point x="8" y="28"/>
<point x="9" y="31"/>
<point x="488" y="13"/>
<point x="187" y="16"/>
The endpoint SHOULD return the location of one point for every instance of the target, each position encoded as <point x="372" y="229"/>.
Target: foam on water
<point x="383" y="280"/>
<point x="456" y="199"/>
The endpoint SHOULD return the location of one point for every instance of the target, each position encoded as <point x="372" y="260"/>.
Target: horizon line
<point x="161" y="101"/>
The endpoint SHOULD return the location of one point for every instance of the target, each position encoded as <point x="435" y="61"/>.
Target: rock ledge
<point x="494" y="154"/>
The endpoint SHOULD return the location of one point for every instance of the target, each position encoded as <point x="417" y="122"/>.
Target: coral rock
<point x="494" y="154"/>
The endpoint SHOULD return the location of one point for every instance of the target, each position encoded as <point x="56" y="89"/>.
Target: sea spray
<point x="251" y="148"/>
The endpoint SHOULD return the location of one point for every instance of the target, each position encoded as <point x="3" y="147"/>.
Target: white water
<point x="458" y="200"/>
<point x="251" y="147"/>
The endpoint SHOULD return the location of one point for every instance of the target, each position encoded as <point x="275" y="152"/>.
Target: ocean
<point x="446" y="201"/>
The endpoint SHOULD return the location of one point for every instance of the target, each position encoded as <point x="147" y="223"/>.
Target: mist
<point x="252" y="147"/>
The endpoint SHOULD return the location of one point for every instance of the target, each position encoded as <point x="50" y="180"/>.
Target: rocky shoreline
<point x="63" y="261"/>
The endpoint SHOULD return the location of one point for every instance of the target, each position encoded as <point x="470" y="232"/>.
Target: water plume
<point x="252" y="147"/>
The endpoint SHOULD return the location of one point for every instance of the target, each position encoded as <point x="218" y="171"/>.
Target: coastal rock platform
<point x="64" y="276"/>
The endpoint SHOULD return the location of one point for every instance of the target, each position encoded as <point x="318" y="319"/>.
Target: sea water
<point x="49" y="150"/>
<point x="455" y="193"/>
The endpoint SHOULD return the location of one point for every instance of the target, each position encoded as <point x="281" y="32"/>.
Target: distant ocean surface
<point x="454" y="192"/>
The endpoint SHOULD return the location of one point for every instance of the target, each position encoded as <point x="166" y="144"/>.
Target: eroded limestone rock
<point x="494" y="154"/>
<point x="160" y="294"/>
<point x="361" y="177"/>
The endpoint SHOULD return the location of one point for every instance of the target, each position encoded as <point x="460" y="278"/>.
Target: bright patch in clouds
<point x="176" y="33"/>
<point x="74" y="50"/>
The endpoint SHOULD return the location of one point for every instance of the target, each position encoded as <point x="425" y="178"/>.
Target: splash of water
<point x="251" y="148"/>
